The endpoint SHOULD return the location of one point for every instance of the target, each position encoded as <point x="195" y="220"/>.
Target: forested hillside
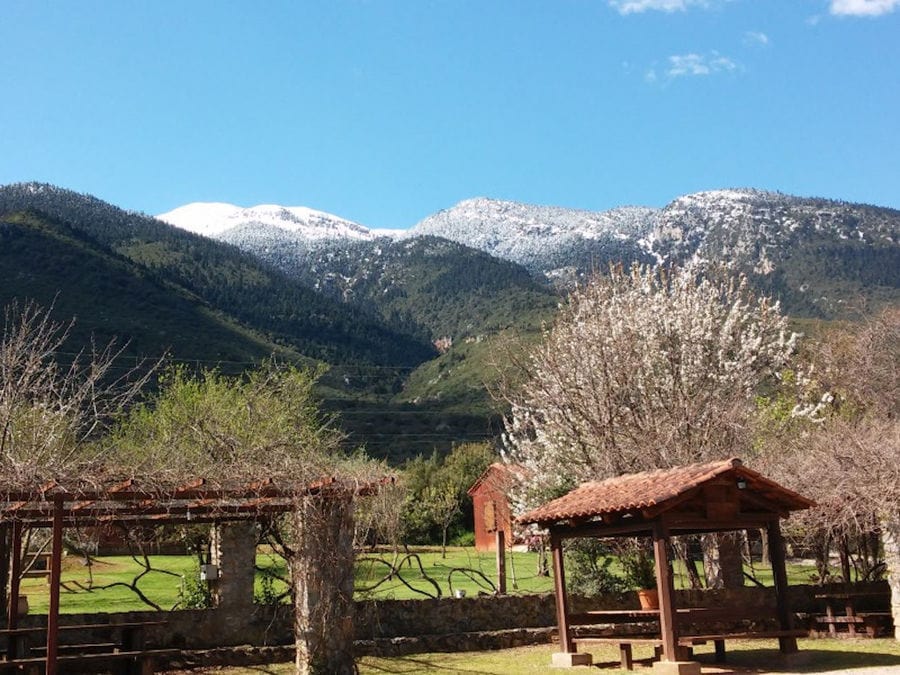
<point x="222" y="277"/>
<point x="426" y="286"/>
<point x="112" y="298"/>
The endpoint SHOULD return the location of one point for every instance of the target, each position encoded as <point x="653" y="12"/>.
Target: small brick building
<point x="490" y="500"/>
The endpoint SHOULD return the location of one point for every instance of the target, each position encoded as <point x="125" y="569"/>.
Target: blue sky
<point x="384" y="112"/>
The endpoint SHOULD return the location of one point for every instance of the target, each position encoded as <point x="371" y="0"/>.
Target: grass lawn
<point x="104" y="586"/>
<point x="163" y="585"/>
<point x="751" y="656"/>
<point x="521" y="573"/>
<point x="758" y="656"/>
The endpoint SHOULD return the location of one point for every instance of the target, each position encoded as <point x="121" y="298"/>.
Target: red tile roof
<point x="651" y="488"/>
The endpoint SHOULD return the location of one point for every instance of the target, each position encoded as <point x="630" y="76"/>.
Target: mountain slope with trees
<point x="223" y="277"/>
<point x="426" y="286"/>
<point x="112" y="298"/>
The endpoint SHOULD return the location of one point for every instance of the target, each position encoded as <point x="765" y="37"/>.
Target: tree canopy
<point x="644" y="369"/>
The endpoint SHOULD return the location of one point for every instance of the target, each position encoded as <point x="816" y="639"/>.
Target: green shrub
<point x="195" y="593"/>
<point x="588" y="573"/>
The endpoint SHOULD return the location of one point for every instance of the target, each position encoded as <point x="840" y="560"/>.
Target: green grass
<point x="521" y="574"/>
<point x="756" y="655"/>
<point x="750" y="656"/>
<point x="102" y="587"/>
<point x="81" y="593"/>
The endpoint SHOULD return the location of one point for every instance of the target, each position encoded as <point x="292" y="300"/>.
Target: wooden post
<point x="666" y="589"/>
<point x="5" y="562"/>
<point x="55" y="579"/>
<point x="15" y="571"/>
<point x="788" y="645"/>
<point x="562" y="602"/>
<point x="501" y="562"/>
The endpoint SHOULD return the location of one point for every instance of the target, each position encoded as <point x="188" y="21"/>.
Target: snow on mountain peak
<point x="215" y="219"/>
<point x="527" y="233"/>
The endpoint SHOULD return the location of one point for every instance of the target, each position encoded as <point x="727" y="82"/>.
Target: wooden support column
<point x="15" y="572"/>
<point x="788" y="645"/>
<point x="501" y="562"/>
<point x="666" y="588"/>
<point x="562" y="602"/>
<point x="55" y="579"/>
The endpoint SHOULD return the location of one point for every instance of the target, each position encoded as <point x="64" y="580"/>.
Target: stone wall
<point x="407" y="626"/>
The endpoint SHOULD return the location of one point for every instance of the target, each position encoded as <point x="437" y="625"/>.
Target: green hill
<point x="425" y="285"/>
<point x="112" y="298"/>
<point x="218" y="276"/>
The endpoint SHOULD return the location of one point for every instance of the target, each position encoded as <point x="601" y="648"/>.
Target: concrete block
<point x="676" y="668"/>
<point x="571" y="659"/>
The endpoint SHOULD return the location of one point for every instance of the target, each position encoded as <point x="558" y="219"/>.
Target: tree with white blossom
<point x="643" y="368"/>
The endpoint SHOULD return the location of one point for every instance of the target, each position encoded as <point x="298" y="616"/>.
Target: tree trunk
<point x="5" y="542"/>
<point x="722" y="560"/>
<point x="682" y="546"/>
<point x="844" y="555"/>
<point x="322" y="575"/>
<point x="890" y="537"/>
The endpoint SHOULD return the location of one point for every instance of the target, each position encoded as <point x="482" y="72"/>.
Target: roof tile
<point x="650" y="488"/>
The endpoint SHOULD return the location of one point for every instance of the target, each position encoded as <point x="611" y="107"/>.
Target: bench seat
<point x="141" y="661"/>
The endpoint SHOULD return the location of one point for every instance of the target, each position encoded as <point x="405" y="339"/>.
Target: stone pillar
<point x="233" y="551"/>
<point x="322" y="577"/>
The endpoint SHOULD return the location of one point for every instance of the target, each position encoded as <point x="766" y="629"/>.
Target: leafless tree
<point x="54" y="404"/>
<point x="847" y="442"/>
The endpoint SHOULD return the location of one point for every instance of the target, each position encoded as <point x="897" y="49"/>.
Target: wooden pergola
<point x="714" y="497"/>
<point x="128" y="503"/>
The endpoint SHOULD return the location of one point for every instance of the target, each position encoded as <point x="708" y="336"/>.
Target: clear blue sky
<point x="384" y="112"/>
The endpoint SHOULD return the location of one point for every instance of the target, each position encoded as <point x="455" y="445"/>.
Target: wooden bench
<point x="872" y="622"/>
<point x="625" y="643"/>
<point x="138" y="662"/>
<point x="125" y="645"/>
<point x="718" y="639"/>
<point x="36" y="566"/>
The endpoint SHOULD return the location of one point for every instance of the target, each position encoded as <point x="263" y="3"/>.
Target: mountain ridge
<point x="778" y="240"/>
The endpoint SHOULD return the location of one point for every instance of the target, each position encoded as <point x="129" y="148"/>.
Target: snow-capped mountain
<point x="755" y="228"/>
<point x="542" y="238"/>
<point x="219" y="221"/>
<point x="809" y="252"/>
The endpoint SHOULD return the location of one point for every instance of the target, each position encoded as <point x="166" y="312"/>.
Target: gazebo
<point x="701" y="498"/>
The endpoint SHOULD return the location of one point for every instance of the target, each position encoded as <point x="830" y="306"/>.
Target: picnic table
<point x="640" y="629"/>
<point x="872" y="622"/>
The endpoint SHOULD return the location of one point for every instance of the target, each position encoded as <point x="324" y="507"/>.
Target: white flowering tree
<point x="643" y="369"/>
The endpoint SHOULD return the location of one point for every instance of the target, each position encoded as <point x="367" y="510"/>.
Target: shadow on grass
<point x="810" y="660"/>
<point x="407" y="665"/>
